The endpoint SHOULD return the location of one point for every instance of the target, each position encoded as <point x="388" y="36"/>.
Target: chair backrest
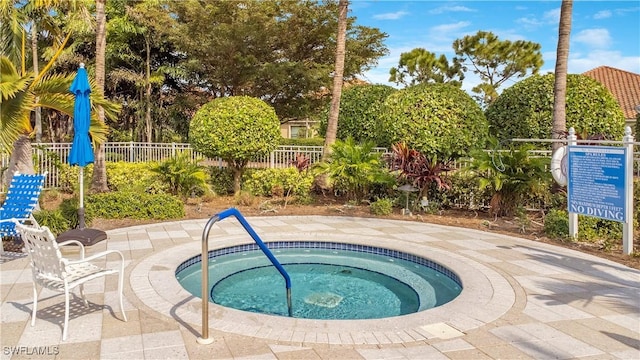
<point x="44" y="252"/>
<point x="22" y="198"/>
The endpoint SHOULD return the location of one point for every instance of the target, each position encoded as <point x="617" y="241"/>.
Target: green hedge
<point x="278" y="182"/>
<point x="134" y="205"/>
<point x="525" y="110"/>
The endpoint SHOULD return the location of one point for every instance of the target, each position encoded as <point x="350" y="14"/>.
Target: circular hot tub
<point x="329" y="280"/>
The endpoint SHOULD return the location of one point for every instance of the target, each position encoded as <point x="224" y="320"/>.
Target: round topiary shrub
<point x="236" y="129"/>
<point x="360" y="110"/>
<point x="435" y="119"/>
<point x="525" y="110"/>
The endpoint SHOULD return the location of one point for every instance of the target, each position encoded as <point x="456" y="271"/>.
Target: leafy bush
<point x="511" y="176"/>
<point x="69" y="177"/>
<point x="360" y="113"/>
<point x="182" y="175"/>
<point x="381" y="207"/>
<point x="69" y="209"/>
<point x="134" y="205"/>
<point x="119" y="177"/>
<point x="126" y="176"/>
<point x="435" y="119"/>
<point x="221" y="181"/>
<point x="278" y="182"/>
<point x="354" y="169"/>
<point x="556" y="225"/>
<point x="464" y="191"/>
<point x="414" y="167"/>
<point x="236" y="129"/>
<point x="525" y="110"/>
<point x="53" y="219"/>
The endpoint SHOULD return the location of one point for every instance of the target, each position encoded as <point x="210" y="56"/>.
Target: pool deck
<point x="521" y="300"/>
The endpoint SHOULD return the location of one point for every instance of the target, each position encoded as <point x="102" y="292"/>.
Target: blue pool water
<point x="328" y="280"/>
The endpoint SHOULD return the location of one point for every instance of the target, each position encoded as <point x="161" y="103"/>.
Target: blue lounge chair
<point x="22" y="199"/>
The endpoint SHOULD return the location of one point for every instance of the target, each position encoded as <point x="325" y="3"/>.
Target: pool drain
<point x="324" y="299"/>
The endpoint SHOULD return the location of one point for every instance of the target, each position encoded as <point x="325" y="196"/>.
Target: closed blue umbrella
<point x="81" y="150"/>
<point x="81" y="154"/>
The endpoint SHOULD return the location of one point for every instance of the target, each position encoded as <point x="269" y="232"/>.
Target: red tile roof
<point x="624" y="85"/>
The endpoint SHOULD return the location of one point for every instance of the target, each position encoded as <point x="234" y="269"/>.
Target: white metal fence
<point x="48" y="156"/>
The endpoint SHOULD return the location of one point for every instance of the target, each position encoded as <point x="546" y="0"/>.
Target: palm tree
<point x="332" y="124"/>
<point x="23" y="91"/>
<point x="560" y="84"/>
<point x="99" y="180"/>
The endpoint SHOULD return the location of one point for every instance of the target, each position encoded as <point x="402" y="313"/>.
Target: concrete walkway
<point x="521" y="300"/>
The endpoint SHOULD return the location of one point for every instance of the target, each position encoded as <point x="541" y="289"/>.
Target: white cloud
<point x="627" y="10"/>
<point x="456" y="8"/>
<point x="588" y="61"/>
<point x="529" y="22"/>
<point x="595" y="38"/>
<point x="602" y="14"/>
<point x="552" y="16"/>
<point x="390" y="16"/>
<point x="447" y="29"/>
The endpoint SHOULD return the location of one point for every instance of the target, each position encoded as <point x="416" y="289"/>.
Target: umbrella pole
<point x="81" y="223"/>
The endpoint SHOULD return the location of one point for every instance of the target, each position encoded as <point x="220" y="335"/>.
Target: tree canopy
<point x="496" y="61"/>
<point x="420" y="66"/>
<point x="525" y="109"/>
<point x="166" y="58"/>
<point x="435" y="119"/>
<point x="236" y="129"/>
<point x="360" y="113"/>
<point x="280" y="51"/>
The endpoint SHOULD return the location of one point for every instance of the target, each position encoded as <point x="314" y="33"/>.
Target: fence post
<point x="131" y="151"/>
<point x="573" y="217"/>
<point x="627" y="227"/>
<point x="272" y="160"/>
<point x="173" y="149"/>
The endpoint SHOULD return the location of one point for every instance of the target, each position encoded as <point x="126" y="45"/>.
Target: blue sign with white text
<point x="596" y="182"/>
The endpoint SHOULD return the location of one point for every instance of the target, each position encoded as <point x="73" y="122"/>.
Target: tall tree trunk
<point x="99" y="179"/>
<point x="36" y="71"/>
<point x="147" y="99"/>
<point x="332" y="124"/>
<point x="20" y="159"/>
<point x="560" y="84"/>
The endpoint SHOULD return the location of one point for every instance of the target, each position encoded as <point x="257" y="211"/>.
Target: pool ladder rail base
<point x="205" y="339"/>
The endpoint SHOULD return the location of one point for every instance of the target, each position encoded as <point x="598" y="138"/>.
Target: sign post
<point x="627" y="230"/>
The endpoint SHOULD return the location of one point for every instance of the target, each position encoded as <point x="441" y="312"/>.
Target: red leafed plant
<point x="417" y="169"/>
<point x="301" y="162"/>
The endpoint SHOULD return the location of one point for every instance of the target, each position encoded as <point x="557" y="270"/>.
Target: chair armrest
<point x="98" y="255"/>
<point x="13" y="220"/>
<point x="75" y="242"/>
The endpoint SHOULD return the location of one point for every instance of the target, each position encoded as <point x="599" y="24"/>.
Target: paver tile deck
<point x="521" y="299"/>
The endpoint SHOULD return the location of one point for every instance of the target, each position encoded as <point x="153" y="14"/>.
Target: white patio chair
<point x="52" y="271"/>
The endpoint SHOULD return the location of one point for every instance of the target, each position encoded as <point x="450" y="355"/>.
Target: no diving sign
<point x="597" y="182"/>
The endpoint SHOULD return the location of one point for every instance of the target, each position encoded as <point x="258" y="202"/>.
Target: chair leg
<point x="120" y="281"/>
<point x="35" y="305"/>
<point x="66" y="313"/>
<point x="86" y="303"/>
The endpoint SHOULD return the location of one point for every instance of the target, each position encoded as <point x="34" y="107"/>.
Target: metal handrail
<point x="204" y="339"/>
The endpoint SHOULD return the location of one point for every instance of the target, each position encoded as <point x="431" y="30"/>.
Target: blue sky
<point x="603" y="32"/>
